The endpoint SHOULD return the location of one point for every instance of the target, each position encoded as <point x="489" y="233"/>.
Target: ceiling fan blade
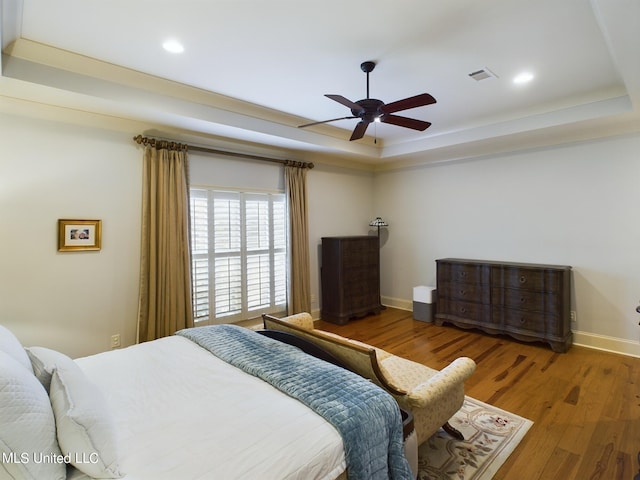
<point x="346" y="102"/>
<point x="358" y="132"/>
<point x="407" y="103"/>
<point x="405" y="122"/>
<point x="324" y="121"/>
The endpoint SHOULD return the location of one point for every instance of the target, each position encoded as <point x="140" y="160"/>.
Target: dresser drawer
<point x="470" y="292"/>
<point x="357" y="274"/>
<point x="362" y="299"/>
<point x="362" y="254"/>
<point x="538" y="280"/>
<point x="463" y="273"/>
<point x="526" y="299"/>
<point x="520" y="320"/>
<point x="464" y="310"/>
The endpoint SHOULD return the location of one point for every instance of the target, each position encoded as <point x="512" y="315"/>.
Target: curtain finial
<point x="160" y="144"/>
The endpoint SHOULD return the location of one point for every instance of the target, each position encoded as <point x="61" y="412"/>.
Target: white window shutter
<point x="239" y="254"/>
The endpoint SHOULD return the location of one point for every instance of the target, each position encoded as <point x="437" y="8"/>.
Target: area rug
<point x="491" y="435"/>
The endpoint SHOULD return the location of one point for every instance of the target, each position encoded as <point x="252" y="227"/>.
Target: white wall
<point x="72" y="301"/>
<point x="571" y="205"/>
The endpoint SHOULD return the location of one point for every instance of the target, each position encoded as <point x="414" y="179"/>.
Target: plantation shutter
<point x="199" y="255"/>
<point x="242" y="270"/>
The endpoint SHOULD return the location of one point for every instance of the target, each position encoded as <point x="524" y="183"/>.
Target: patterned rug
<point x="491" y="435"/>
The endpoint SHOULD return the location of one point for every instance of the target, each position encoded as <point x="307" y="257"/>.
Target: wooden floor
<point x="585" y="404"/>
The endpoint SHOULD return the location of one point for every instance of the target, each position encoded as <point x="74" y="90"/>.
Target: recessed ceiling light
<point x="524" y="77"/>
<point x="173" y="46"/>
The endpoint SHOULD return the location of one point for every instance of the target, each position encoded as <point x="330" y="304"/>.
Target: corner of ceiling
<point x="619" y="23"/>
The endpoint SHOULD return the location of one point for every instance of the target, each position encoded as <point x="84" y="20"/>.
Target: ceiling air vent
<point x="482" y="74"/>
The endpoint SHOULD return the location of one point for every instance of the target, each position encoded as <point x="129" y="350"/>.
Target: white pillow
<point x="27" y="426"/>
<point x="10" y="345"/>
<point x="44" y="361"/>
<point x="85" y="429"/>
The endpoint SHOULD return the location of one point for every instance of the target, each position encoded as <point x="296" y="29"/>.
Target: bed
<point x="190" y="408"/>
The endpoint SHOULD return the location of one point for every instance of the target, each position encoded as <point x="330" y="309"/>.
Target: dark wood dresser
<point x="350" y="275"/>
<point x="530" y="302"/>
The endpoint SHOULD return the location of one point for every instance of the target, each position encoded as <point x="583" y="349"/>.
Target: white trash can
<point x="424" y="303"/>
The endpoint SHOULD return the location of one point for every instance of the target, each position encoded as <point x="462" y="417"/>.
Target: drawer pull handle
<point x="522" y="300"/>
<point x="523" y="279"/>
<point x="462" y="292"/>
<point x="463" y="310"/>
<point x="522" y="320"/>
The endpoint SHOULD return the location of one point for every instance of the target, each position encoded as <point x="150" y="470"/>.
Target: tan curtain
<point x="300" y="277"/>
<point x="165" y="276"/>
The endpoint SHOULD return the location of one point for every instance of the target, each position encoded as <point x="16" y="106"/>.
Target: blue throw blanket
<point x="367" y="417"/>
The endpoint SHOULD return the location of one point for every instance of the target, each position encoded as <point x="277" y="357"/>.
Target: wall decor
<point x="76" y="235"/>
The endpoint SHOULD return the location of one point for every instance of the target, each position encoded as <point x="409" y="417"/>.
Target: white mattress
<point x="180" y="412"/>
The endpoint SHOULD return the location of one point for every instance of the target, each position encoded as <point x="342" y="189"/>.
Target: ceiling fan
<point x="372" y="110"/>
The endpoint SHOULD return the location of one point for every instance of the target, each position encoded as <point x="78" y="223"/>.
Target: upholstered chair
<point x="432" y="396"/>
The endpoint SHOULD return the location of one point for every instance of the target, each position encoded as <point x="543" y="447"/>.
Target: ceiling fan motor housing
<point x="370" y="111"/>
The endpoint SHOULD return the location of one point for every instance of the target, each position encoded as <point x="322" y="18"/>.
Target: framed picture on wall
<point x="75" y="235"/>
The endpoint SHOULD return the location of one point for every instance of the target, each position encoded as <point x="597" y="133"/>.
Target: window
<point x="238" y="248"/>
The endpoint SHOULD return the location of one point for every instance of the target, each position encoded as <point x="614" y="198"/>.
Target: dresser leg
<point x="561" y="347"/>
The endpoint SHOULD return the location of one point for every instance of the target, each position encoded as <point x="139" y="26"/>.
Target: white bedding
<point x="180" y="412"/>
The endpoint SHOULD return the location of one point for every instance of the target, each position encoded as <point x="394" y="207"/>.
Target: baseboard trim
<point x="607" y="344"/>
<point x="398" y="303"/>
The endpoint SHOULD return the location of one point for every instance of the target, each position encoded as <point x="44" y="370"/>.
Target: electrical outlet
<point x="115" y="341"/>
<point x="573" y="316"/>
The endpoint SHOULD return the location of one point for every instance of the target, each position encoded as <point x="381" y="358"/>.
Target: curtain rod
<point x="290" y="163"/>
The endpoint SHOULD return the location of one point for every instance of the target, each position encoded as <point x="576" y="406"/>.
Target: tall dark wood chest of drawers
<point x="530" y="302"/>
<point x="350" y="275"/>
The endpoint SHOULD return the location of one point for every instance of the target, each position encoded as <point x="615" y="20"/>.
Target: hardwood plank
<point x="561" y="464"/>
<point x="585" y="404"/>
